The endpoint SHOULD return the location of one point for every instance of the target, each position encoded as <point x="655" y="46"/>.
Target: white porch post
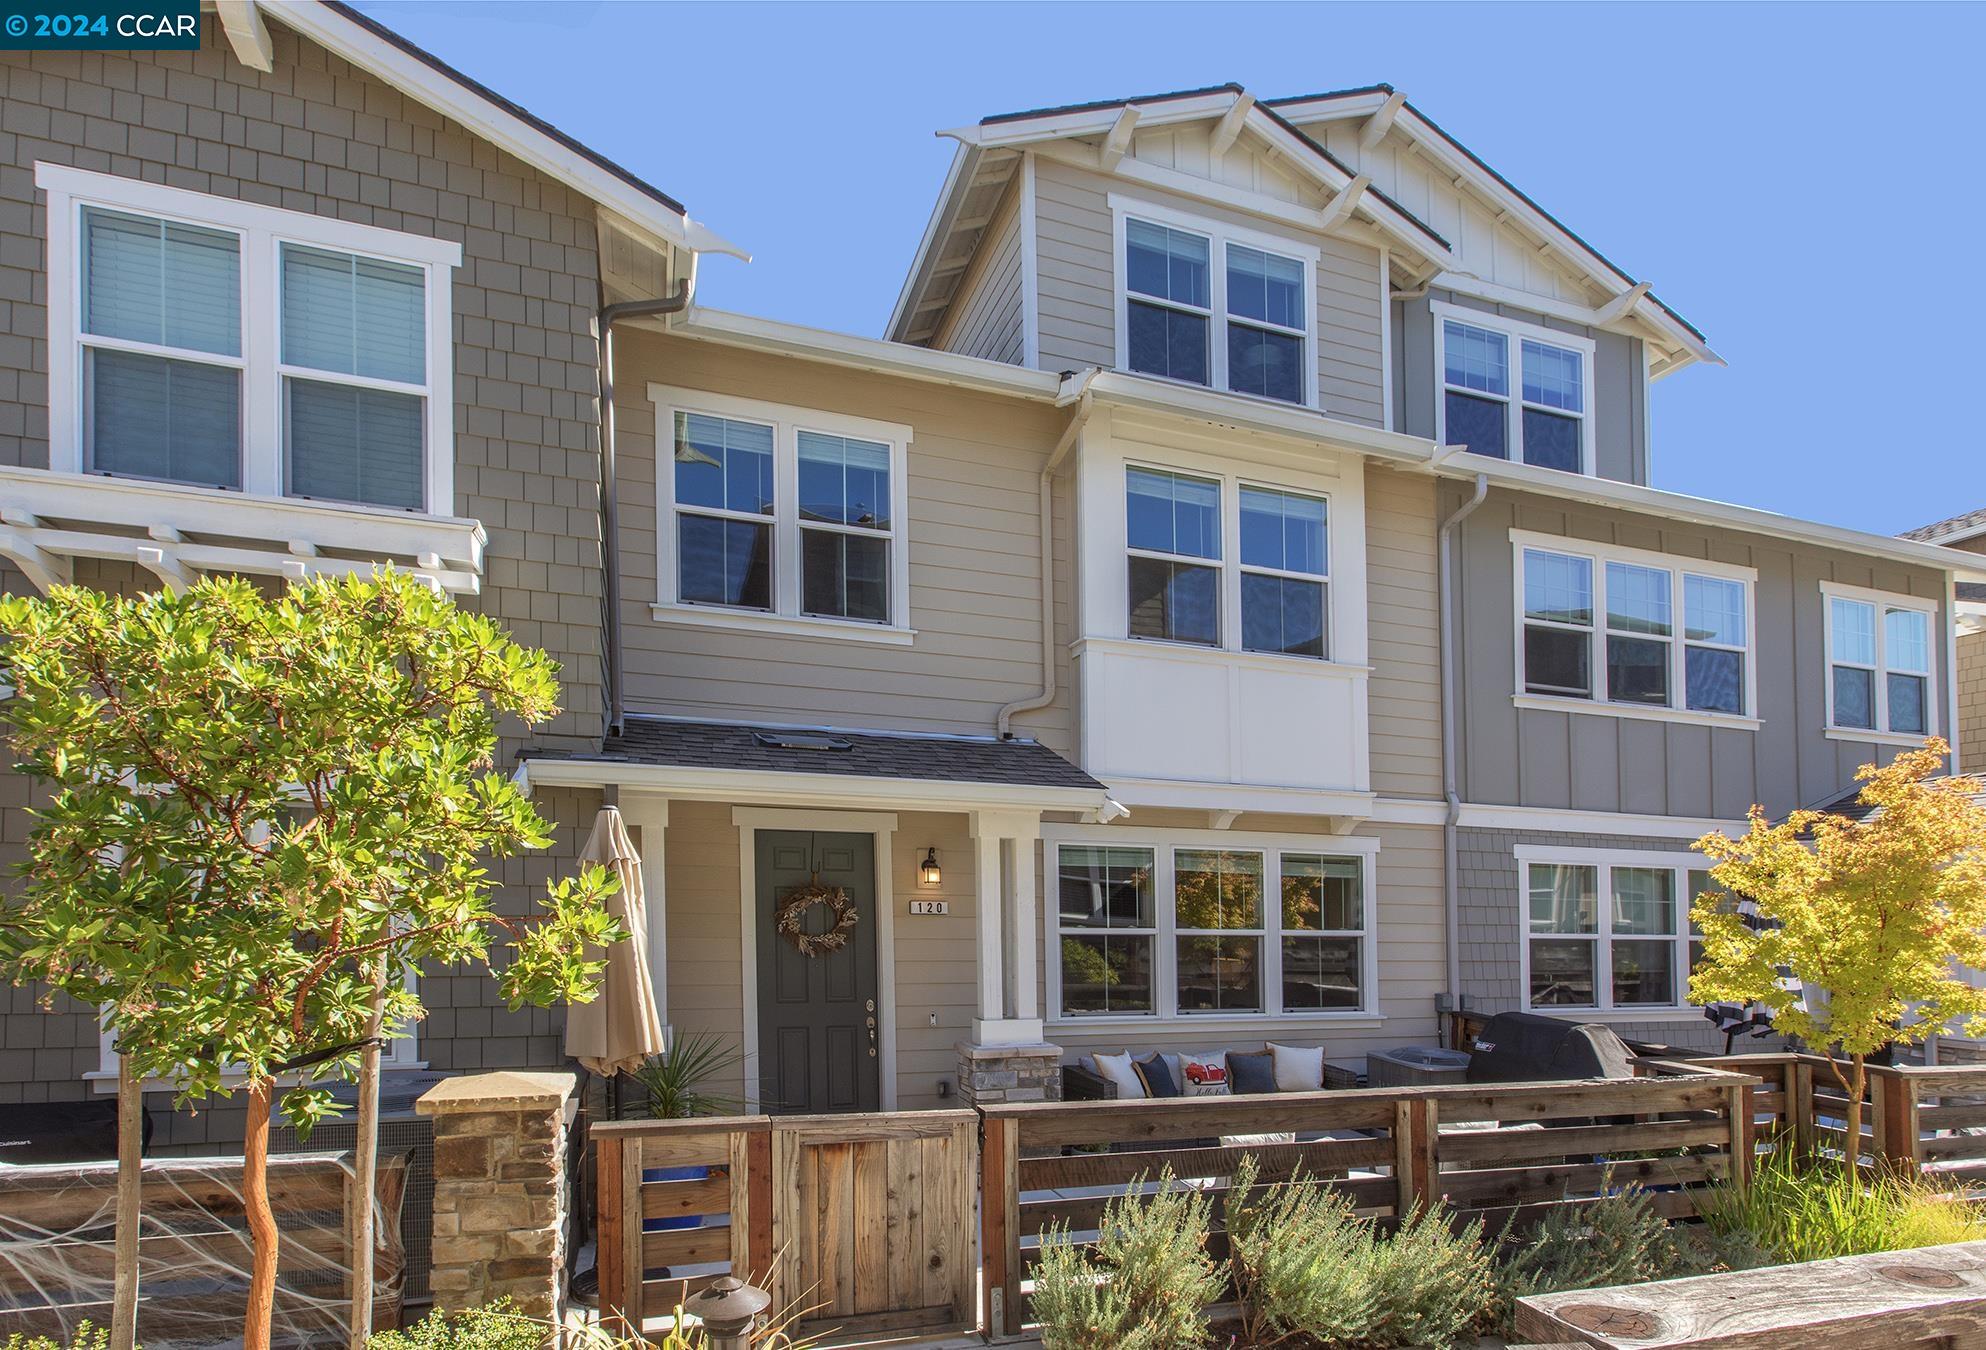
<point x="1023" y="984"/>
<point x="1003" y="852"/>
<point x="986" y="883"/>
<point x="646" y="815"/>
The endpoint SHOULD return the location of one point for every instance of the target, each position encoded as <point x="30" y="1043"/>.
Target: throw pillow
<point x="1203" y="1075"/>
<point x="1156" y="1077"/>
<point x="1251" y="1072"/>
<point x="1117" y="1071"/>
<point x="1298" y="1068"/>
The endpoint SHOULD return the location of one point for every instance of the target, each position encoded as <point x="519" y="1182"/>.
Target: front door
<point x="818" y="1019"/>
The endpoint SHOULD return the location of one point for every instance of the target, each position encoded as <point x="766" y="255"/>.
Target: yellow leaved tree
<point x="1875" y="917"/>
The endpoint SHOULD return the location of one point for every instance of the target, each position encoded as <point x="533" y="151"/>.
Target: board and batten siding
<point x="1078" y="301"/>
<point x="1595" y="761"/>
<point x="985" y="319"/>
<point x="1620" y="386"/>
<point x="975" y="560"/>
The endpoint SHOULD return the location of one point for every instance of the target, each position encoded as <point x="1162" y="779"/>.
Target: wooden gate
<point x="863" y="1223"/>
<point x="873" y="1219"/>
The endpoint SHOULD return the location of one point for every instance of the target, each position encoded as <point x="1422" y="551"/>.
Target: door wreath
<point x="796" y="903"/>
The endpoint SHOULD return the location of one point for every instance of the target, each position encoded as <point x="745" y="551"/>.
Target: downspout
<point x="1451" y="886"/>
<point x="1084" y="405"/>
<point x="610" y="535"/>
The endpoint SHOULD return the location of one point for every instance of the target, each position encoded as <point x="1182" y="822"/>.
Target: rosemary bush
<point x="1145" y="1285"/>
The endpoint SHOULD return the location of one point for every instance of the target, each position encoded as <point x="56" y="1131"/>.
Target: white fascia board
<point x="1262" y="416"/>
<point x="1679" y="506"/>
<point x="861" y="353"/>
<point x="1305" y="155"/>
<point x="934" y="229"/>
<point x="339" y="34"/>
<point x="788" y="789"/>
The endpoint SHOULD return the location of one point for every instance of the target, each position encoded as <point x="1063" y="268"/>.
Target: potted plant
<point x="676" y="1086"/>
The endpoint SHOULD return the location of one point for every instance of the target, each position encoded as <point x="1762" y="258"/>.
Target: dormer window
<point x="1514" y="391"/>
<point x="1212" y="305"/>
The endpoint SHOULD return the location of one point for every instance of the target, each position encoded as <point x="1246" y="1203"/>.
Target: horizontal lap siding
<point x="1078" y="280"/>
<point x="975" y="560"/>
<point x="1404" y="634"/>
<point x="317" y="135"/>
<point x="986" y="320"/>
<point x="1596" y="762"/>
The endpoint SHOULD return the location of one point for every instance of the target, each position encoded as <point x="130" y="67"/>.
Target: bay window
<point x="1600" y="625"/>
<point x="1191" y="925"/>
<point x="1514" y="391"/>
<point x="216" y="343"/>
<point x="1879" y="675"/>
<point x="1209" y="304"/>
<point x="1607" y="931"/>
<point x="780" y="518"/>
<point x="1173" y="532"/>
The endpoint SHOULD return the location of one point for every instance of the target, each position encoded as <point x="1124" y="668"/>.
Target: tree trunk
<point x="366" y="1164"/>
<point x="130" y="1192"/>
<point x="1857" y="1082"/>
<point x="261" y="1220"/>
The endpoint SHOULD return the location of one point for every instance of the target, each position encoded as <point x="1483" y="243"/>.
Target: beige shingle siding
<point x="317" y="135"/>
<point x="1972" y="702"/>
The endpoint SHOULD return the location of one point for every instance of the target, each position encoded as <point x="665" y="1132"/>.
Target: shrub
<point x="1309" y="1271"/>
<point x="1792" y="1212"/>
<point x="1145" y="1285"/>
<point x="1617" y="1239"/>
<point x="494" y="1326"/>
<point x="88" y="1337"/>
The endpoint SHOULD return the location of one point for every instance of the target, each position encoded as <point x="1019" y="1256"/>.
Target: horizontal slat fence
<point x="1498" y="1152"/>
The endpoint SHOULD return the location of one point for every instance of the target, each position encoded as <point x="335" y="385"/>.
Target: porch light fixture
<point x="928" y="873"/>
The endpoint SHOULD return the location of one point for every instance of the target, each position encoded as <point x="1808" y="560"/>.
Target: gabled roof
<point x="425" y="77"/>
<point x="1968" y="526"/>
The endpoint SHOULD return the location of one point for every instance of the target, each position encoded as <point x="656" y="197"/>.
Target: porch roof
<point x="701" y="758"/>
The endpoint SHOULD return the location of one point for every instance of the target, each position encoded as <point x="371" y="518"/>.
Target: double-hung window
<point x="1210" y="305"/>
<point x="1607" y="931"/>
<point x="1632" y="630"/>
<point x="216" y="343"/>
<point x="1879" y="673"/>
<point x="780" y="517"/>
<point x="1173" y="533"/>
<point x="1514" y="391"/>
<point x="1178" y="572"/>
<point x="1197" y="927"/>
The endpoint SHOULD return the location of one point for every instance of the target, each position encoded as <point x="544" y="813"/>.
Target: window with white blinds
<point x="216" y="343"/>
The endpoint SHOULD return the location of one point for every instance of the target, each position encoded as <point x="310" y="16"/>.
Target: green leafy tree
<point x="254" y="801"/>
<point x="1880" y="915"/>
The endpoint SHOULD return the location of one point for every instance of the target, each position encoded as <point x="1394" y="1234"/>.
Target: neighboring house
<point x="1968" y="534"/>
<point x="1087" y="630"/>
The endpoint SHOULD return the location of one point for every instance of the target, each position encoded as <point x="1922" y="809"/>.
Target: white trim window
<point x="779" y="517"/>
<point x="1608" y="931"/>
<point x="1193" y="925"/>
<point x="212" y="342"/>
<point x="1515" y="391"/>
<point x="1209" y="304"/>
<point x="1881" y="672"/>
<point x="1633" y="632"/>
<point x="1180" y="586"/>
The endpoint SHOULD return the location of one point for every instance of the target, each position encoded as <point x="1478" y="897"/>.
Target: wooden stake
<point x="365" y="1164"/>
<point x="130" y="1189"/>
<point x="262" y="1231"/>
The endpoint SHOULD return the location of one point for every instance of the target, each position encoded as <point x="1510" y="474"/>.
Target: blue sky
<point x="1799" y="181"/>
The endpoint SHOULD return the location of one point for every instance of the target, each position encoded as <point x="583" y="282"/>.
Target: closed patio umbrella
<point x="621" y="1027"/>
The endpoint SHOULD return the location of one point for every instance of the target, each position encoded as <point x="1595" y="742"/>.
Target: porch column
<point x="646" y="815"/>
<point x="1006" y="1059"/>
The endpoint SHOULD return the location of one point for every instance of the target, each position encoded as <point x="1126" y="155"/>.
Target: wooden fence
<point x="1498" y="1152"/>
<point x="865" y="1222"/>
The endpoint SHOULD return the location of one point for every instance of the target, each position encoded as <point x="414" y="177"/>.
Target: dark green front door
<point x="818" y="1019"/>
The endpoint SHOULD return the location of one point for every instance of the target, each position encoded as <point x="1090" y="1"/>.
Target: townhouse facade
<point x="1967" y="533"/>
<point x="1229" y="603"/>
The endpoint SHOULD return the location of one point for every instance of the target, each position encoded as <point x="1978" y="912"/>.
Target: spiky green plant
<point x="677" y="1080"/>
<point x="1795" y="1211"/>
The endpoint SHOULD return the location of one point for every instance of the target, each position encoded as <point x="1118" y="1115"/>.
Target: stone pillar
<point x="990" y="1075"/>
<point x="499" y="1189"/>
